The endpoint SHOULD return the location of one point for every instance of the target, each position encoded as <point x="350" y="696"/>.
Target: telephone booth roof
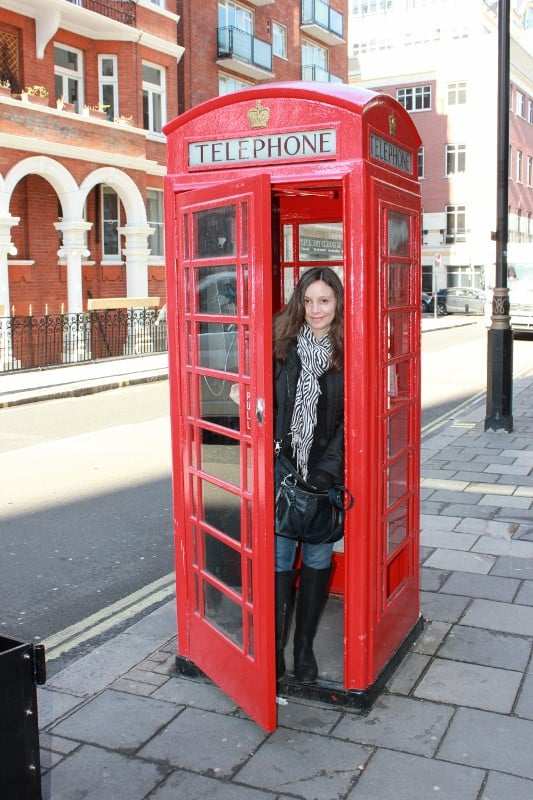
<point x="235" y="130"/>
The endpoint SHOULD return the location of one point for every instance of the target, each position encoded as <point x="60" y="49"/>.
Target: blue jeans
<point x="317" y="556"/>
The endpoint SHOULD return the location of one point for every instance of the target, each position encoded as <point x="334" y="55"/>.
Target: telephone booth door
<point x="222" y="298"/>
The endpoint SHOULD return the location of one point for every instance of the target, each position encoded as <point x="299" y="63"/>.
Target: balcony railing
<point x="119" y="10"/>
<point x="46" y="340"/>
<point x="234" y="43"/>
<point x="317" y="12"/>
<point x="312" y="72"/>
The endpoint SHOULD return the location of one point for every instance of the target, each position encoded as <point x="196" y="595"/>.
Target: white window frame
<point x="457" y="93"/>
<point x="66" y="76"/>
<point x="421" y="163"/>
<point x="530" y="111"/>
<point x="415" y="98"/>
<point x="233" y="15"/>
<point x="519" y="166"/>
<point x="111" y="81"/>
<point x="229" y="83"/>
<point x="109" y="192"/>
<point x="154" y="200"/>
<point x="519" y="104"/>
<point x="455" y="212"/>
<point x="529" y="173"/>
<point x="455" y="159"/>
<point x="151" y="91"/>
<point x="279" y="40"/>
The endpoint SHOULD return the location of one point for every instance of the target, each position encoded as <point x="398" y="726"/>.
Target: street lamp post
<point x="499" y="408"/>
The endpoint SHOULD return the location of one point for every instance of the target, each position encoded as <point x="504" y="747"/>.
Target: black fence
<point x="120" y="10"/>
<point x="53" y="339"/>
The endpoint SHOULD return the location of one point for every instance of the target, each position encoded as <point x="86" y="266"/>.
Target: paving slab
<point x="469" y="685"/>
<point x="305" y="765"/>
<point x="490" y="648"/>
<point x="490" y="741"/>
<point x="117" y="720"/>
<point x="397" y="776"/>
<point x="507" y="787"/>
<point x="398" y="723"/>
<point x="496" y="616"/>
<point x="205" y="742"/>
<point x="524" y="707"/>
<point x="182" y="785"/>
<point x="458" y="560"/>
<point x="95" y="774"/>
<point x="442" y="608"/>
<point x="488" y="587"/>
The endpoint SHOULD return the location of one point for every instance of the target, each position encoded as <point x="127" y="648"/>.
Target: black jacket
<point x="332" y="459"/>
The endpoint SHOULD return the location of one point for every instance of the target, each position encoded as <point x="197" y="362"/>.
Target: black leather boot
<point x="284" y="607"/>
<point x="311" y="600"/>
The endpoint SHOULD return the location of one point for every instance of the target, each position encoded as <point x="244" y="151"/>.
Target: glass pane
<point x="220" y="457"/>
<point x="216" y="290"/>
<point x="397" y="480"/>
<point x="288" y="245"/>
<point x="244" y="229"/>
<point x="223" y="613"/>
<point x="222" y="510"/>
<point x="214" y="232"/>
<point x="223" y="562"/>
<point x="398" y="432"/>
<point x="396" y="528"/>
<point x="398" y="384"/>
<point x="217" y="347"/>
<point x="245" y="289"/>
<point x="399" y="344"/>
<point x="321" y="241"/>
<point x="186" y="237"/>
<point x="398" y="234"/>
<point x="398" y="284"/>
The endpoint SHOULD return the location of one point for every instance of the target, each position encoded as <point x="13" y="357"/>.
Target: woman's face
<point x="320" y="306"/>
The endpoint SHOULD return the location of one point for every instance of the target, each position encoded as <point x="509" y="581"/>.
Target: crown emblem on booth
<point x="392" y="125"/>
<point x="258" y="116"/>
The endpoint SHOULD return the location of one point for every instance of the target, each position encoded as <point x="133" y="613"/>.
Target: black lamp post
<point x="499" y="409"/>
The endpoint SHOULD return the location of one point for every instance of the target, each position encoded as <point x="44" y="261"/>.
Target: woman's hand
<point x="234" y="393"/>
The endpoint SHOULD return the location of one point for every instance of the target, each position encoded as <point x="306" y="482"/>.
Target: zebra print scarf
<point x="315" y="356"/>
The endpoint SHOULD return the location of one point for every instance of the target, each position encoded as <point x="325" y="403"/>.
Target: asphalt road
<point x="86" y="509"/>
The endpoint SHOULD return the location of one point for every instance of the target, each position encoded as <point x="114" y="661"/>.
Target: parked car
<point x="429" y="306"/>
<point x="458" y="299"/>
<point x="427" y="302"/>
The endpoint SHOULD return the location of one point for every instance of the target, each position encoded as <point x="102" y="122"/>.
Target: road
<point x="86" y="511"/>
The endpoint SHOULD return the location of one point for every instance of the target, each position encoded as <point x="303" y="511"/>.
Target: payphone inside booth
<point x="263" y="184"/>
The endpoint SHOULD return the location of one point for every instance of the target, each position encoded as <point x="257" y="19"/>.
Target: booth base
<point x="328" y="648"/>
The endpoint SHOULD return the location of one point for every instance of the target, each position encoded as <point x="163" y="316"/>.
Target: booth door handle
<point x="260" y="410"/>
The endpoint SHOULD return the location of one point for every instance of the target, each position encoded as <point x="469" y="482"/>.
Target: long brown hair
<point x="289" y="320"/>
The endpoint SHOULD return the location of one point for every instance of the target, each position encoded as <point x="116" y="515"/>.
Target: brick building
<point x="81" y="175"/>
<point x="439" y="58"/>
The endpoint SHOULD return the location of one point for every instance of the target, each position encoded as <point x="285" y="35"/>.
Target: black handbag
<point x="301" y="511"/>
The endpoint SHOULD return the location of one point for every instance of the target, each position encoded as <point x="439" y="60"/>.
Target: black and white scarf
<point x="315" y="357"/>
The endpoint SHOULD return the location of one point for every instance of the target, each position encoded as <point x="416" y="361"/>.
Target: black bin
<point x="22" y="667"/>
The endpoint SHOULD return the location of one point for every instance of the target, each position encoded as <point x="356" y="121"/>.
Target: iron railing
<point x="242" y="45"/>
<point x="120" y="10"/>
<point x="319" y="13"/>
<point x="46" y="340"/>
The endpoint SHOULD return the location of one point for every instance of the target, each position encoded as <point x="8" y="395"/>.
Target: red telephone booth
<point x="261" y="185"/>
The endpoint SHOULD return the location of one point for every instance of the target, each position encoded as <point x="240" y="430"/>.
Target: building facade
<point x="86" y="87"/>
<point x="234" y="45"/>
<point x="439" y="58"/>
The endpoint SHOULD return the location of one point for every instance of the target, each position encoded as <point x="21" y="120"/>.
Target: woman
<point x="308" y="350"/>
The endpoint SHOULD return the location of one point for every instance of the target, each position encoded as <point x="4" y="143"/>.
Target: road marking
<point x="107" y="618"/>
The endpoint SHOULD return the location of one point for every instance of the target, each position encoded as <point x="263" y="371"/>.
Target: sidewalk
<point x="456" y="719"/>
